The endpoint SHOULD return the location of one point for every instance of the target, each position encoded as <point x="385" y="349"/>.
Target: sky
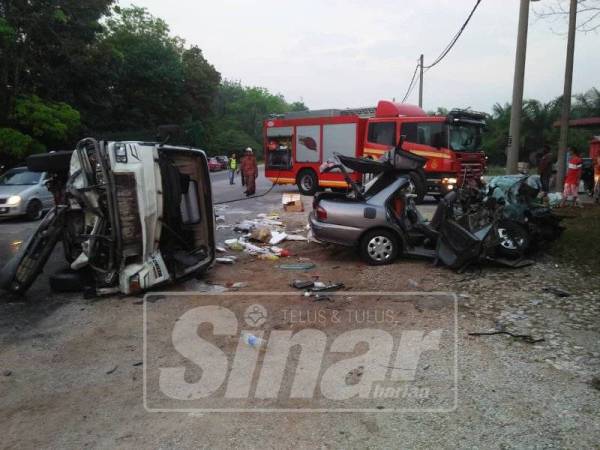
<point x="352" y="53"/>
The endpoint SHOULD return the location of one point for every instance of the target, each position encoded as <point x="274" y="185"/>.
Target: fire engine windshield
<point x="465" y="137"/>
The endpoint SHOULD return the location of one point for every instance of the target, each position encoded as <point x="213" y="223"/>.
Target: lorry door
<point x="381" y="138"/>
<point x="427" y="139"/>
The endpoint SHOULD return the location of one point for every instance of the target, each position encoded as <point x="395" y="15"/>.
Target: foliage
<point x="537" y="126"/>
<point x="239" y="113"/>
<point x="15" y="146"/>
<point x="46" y="121"/>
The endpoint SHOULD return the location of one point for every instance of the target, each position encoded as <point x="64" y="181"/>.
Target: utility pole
<point x="514" y="137"/>
<point x="566" y="100"/>
<point x="421" y="83"/>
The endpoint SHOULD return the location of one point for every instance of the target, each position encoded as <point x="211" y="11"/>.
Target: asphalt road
<point x="227" y="198"/>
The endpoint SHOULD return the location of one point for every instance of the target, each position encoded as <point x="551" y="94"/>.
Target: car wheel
<point x="513" y="239"/>
<point x="34" y="210"/>
<point x="307" y="182"/>
<point x="379" y="247"/>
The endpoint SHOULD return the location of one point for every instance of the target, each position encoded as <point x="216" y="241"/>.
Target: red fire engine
<point x="296" y="144"/>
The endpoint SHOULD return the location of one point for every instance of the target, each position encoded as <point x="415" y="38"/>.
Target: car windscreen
<point x="465" y="137"/>
<point x="18" y="177"/>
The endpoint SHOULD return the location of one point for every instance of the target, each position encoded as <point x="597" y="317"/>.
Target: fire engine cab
<point x="297" y="143"/>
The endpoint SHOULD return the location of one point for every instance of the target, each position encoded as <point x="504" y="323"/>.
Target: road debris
<point x="557" y="291"/>
<point x="227" y="260"/>
<point x="261" y="234"/>
<point x="297" y="266"/>
<point x="7" y="373"/>
<point x="292" y="202"/>
<point x="524" y="337"/>
<point x="113" y="370"/>
<point x="302" y="284"/>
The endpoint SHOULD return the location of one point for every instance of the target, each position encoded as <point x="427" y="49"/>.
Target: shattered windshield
<point x="465" y="137"/>
<point x="18" y="177"/>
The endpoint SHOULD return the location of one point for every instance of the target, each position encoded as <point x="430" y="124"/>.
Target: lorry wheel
<point x="513" y="239"/>
<point x="55" y="162"/>
<point x="419" y="183"/>
<point x="34" y="210"/>
<point x="307" y="182"/>
<point x="379" y="247"/>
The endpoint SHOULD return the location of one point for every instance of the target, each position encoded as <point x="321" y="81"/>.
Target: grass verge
<point x="580" y="242"/>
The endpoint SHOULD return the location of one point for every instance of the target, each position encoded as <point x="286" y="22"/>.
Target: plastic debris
<point x="277" y="237"/>
<point x="253" y="341"/>
<point x="296" y="237"/>
<point x="221" y="249"/>
<point x="234" y="244"/>
<point x="261" y="234"/>
<point x="322" y="287"/>
<point x="297" y="266"/>
<point x="238" y="285"/>
<point x="268" y="257"/>
<point x="302" y="284"/>
<point x="228" y="260"/>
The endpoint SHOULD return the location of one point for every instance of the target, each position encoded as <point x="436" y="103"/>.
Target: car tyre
<point x="307" y="182"/>
<point x="379" y="247"/>
<point x="514" y="239"/>
<point x="34" y="210"/>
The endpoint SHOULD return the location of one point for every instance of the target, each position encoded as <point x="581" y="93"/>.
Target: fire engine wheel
<point x="419" y="186"/>
<point x="307" y="182"/>
<point x="379" y="247"/>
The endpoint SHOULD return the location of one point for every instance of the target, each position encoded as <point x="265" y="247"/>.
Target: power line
<point x="442" y="55"/>
<point x="454" y="39"/>
<point x="411" y="84"/>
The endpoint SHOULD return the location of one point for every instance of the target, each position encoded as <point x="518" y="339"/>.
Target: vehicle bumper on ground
<point x="336" y="234"/>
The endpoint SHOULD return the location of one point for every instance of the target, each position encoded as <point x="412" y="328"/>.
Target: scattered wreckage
<point x="130" y="215"/>
<point x="469" y="226"/>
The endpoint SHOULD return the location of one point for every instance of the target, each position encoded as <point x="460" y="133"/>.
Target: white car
<point x="24" y="193"/>
<point x="131" y="216"/>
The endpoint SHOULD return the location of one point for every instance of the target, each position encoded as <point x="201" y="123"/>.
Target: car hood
<point x="7" y="190"/>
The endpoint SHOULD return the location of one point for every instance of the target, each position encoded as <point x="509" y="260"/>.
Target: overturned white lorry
<point x="130" y="215"/>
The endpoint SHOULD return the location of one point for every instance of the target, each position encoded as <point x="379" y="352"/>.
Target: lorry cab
<point x="452" y="144"/>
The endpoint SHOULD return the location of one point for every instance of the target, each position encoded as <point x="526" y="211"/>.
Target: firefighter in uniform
<point x="249" y="171"/>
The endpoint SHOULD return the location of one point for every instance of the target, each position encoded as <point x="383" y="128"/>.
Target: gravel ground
<point x="70" y="373"/>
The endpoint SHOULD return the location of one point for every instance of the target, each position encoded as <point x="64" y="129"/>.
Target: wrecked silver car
<point x="131" y="216"/>
<point x="382" y="221"/>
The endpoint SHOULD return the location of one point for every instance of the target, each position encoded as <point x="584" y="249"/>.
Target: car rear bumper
<point x="336" y="234"/>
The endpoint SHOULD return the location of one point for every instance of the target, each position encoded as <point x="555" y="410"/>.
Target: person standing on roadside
<point x="232" y="168"/>
<point x="249" y="171"/>
<point x="571" y="190"/>
<point x="545" y="168"/>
